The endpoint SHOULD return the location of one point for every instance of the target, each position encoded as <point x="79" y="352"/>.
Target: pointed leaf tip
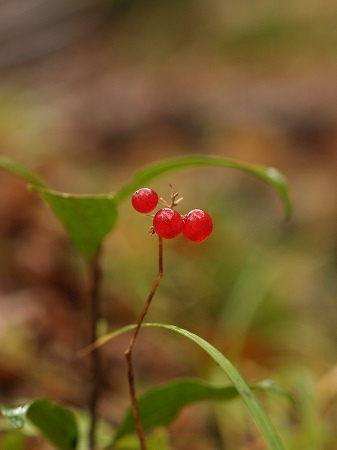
<point x="21" y="171"/>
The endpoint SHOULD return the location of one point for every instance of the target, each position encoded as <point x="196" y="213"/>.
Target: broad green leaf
<point x="267" y="174"/>
<point x="57" y="424"/>
<point x="160" y="405"/>
<point x="257" y="411"/>
<point x="16" y="415"/>
<point x="21" y="171"/>
<point x="87" y="218"/>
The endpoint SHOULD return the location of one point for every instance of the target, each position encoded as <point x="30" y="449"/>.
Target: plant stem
<point x="129" y="350"/>
<point x="95" y="362"/>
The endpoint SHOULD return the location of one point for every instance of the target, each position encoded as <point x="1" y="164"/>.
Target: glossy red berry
<point x="198" y="225"/>
<point x="144" y="200"/>
<point x="168" y="223"/>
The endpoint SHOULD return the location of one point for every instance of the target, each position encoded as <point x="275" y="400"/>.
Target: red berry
<point x="198" y="225"/>
<point x="144" y="200"/>
<point x="168" y="223"/>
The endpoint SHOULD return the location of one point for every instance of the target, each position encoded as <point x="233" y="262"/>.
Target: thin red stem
<point x="129" y="350"/>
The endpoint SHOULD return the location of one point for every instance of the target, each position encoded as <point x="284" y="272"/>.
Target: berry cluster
<point x="196" y="225"/>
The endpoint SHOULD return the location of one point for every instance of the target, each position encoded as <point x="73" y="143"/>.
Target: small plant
<point x="88" y="219"/>
<point x="196" y="226"/>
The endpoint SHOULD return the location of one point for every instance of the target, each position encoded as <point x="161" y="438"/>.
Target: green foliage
<point x="57" y="424"/>
<point x="241" y="387"/>
<point x="160" y="405"/>
<point x="88" y="219"/>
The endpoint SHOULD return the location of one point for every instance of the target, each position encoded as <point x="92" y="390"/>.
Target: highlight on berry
<point x="167" y="223"/>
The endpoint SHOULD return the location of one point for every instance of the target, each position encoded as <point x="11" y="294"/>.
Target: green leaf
<point x="242" y="387"/>
<point x="21" y="171"/>
<point x="257" y="411"/>
<point x="57" y="424"/>
<point x="160" y="405"/>
<point x="267" y="174"/>
<point x="87" y="218"/>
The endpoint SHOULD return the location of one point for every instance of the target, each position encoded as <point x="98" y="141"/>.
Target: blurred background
<point x="92" y="90"/>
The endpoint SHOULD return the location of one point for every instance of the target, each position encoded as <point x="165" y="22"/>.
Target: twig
<point x="95" y="362"/>
<point x="128" y="352"/>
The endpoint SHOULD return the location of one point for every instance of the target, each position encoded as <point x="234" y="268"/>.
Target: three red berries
<point x="196" y="226"/>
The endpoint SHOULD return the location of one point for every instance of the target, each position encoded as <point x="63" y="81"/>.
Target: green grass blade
<point x="266" y="427"/>
<point x="258" y="413"/>
<point x="267" y="174"/>
<point x="21" y="171"/>
<point x="87" y="218"/>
